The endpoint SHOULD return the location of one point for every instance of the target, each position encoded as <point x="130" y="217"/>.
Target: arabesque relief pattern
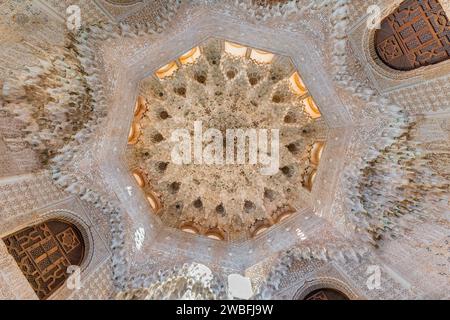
<point x="40" y="98"/>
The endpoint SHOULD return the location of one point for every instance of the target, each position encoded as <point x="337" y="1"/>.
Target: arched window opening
<point x="215" y="234"/>
<point x="298" y="87"/>
<point x="153" y="199"/>
<point x="326" y="294"/>
<point x="284" y="215"/>
<point x="235" y="49"/>
<point x="311" y="108"/>
<point x="138" y="175"/>
<point x="191" y="56"/>
<point x="189" y="228"/>
<point x="316" y="152"/>
<point x="309" y="180"/>
<point x="43" y="253"/>
<point x="314" y="160"/>
<point x="416" y="34"/>
<point x="134" y="134"/>
<point x="261" y="227"/>
<point x="140" y="107"/>
<point x="261" y="56"/>
<point x="296" y="84"/>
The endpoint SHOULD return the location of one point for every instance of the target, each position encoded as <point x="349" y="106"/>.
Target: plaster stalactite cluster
<point x="225" y="92"/>
<point x="55" y="102"/>
<point x="186" y="282"/>
<point x="366" y="178"/>
<point x="418" y="189"/>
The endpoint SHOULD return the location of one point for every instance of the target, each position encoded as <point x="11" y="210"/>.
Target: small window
<point x="44" y="252"/>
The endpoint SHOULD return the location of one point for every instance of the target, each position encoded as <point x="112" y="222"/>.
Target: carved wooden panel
<point x="326" y="294"/>
<point x="43" y="253"/>
<point x="416" y="34"/>
<point x="269" y="3"/>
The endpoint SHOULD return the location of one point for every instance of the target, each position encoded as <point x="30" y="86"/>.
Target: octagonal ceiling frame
<point x="255" y="42"/>
<point x="118" y="77"/>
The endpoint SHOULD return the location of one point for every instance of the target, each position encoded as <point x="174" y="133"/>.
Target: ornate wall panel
<point x="21" y="198"/>
<point x="44" y="252"/>
<point x="427" y="97"/>
<point x="358" y="9"/>
<point x="135" y="10"/>
<point x="90" y="12"/>
<point x="417" y="34"/>
<point x="15" y="156"/>
<point x="421" y="260"/>
<point x="391" y="287"/>
<point x="23" y="194"/>
<point x="30" y="199"/>
<point x="13" y="284"/>
<point x="97" y="285"/>
<point x="305" y="277"/>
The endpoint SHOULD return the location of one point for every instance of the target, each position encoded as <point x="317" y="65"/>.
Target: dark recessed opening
<point x="157" y="138"/>
<point x="198" y="203"/>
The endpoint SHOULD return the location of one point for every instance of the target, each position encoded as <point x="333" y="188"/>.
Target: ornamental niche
<point x="416" y="34"/>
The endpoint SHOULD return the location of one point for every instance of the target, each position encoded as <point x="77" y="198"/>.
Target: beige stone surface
<point x="380" y="196"/>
